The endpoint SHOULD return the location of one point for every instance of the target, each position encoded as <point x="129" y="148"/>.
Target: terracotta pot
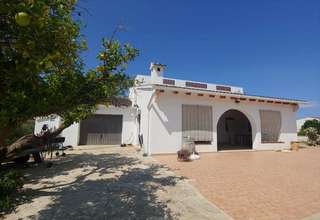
<point x="295" y="145"/>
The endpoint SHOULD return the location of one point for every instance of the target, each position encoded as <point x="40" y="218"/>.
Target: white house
<point x="110" y="126"/>
<point x="165" y="111"/>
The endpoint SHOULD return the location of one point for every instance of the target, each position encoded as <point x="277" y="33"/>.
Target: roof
<point x="315" y="117"/>
<point x="231" y="94"/>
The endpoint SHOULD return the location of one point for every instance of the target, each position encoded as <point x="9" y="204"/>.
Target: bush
<point x="309" y="124"/>
<point x="312" y="135"/>
<point x="301" y="132"/>
<point x="10" y="182"/>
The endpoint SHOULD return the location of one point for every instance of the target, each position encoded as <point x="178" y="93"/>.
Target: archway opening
<point x="234" y="131"/>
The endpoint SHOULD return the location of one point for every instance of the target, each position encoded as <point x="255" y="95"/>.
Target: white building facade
<point x="74" y="134"/>
<point x="166" y="112"/>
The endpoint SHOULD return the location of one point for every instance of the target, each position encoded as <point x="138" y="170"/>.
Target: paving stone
<point x="256" y="185"/>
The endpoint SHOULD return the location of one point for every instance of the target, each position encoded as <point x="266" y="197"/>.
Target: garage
<point x="101" y="130"/>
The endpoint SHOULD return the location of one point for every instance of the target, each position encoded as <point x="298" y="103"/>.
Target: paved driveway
<point x="102" y="182"/>
<point x="256" y="185"/>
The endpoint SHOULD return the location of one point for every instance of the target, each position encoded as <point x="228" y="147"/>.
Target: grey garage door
<point x="101" y="129"/>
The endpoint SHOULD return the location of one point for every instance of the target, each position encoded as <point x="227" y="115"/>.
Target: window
<point x="224" y="88"/>
<point x="196" y="85"/>
<point x="270" y="125"/>
<point x="197" y="122"/>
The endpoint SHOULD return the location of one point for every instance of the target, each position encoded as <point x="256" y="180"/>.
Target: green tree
<point x="42" y="71"/>
<point x="24" y="129"/>
<point x="310" y="124"/>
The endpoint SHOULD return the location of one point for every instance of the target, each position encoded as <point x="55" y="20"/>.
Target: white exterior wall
<point x="161" y="115"/>
<point x="165" y="125"/>
<point x="142" y="97"/>
<point x="129" y="131"/>
<point x="72" y="133"/>
<point x="53" y="122"/>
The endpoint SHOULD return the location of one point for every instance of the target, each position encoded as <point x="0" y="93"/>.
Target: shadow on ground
<point x="104" y="186"/>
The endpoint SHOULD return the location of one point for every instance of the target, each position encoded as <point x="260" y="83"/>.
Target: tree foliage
<point x="41" y="68"/>
<point x="310" y="124"/>
<point x="24" y="129"/>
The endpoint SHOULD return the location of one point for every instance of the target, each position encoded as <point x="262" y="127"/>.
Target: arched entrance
<point x="234" y="131"/>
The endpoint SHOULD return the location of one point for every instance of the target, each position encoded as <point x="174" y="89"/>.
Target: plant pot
<point x="295" y="145"/>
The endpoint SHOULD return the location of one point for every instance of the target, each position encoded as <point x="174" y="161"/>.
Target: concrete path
<point x="101" y="182"/>
<point x="313" y="217"/>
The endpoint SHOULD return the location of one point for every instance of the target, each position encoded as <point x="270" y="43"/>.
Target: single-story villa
<point x="165" y="111"/>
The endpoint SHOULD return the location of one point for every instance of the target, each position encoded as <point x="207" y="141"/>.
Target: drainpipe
<point x="138" y="118"/>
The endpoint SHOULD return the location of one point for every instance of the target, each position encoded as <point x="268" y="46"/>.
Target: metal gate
<point x="101" y="130"/>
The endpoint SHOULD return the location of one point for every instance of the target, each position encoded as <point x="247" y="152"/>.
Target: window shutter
<point x="197" y="122"/>
<point x="270" y="125"/>
<point x="189" y="124"/>
<point x="204" y="123"/>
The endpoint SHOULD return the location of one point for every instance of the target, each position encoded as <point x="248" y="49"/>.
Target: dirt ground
<point x="257" y="185"/>
<point x="100" y="182"/>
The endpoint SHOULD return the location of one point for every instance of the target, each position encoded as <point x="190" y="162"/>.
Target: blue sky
<point x="268" y="47"/>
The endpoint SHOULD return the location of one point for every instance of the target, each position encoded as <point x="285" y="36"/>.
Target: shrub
<point x="10" y="182"/>
<point x="301" y="132"/>
<point x="312" y="135"/>
<point x="309" y="124"/>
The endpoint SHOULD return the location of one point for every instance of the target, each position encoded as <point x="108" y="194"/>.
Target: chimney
<point x="157" y="70"/>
